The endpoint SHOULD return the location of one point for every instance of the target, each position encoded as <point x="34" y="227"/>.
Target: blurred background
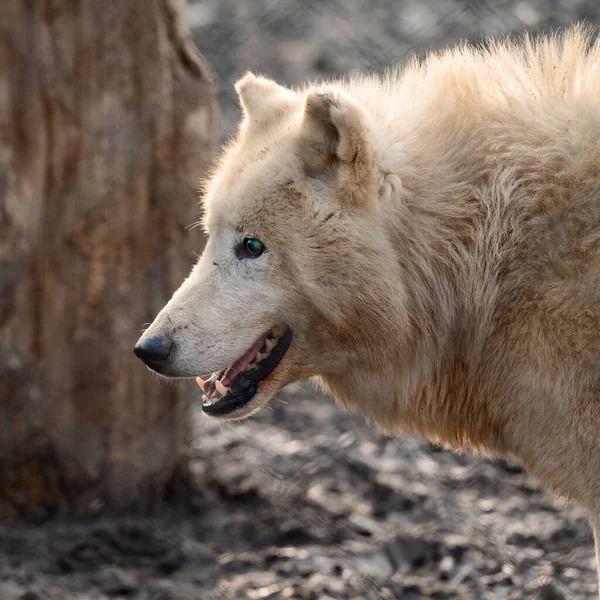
<point x="112" y="484"/>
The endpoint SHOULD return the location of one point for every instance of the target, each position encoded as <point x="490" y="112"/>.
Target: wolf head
<point x="294" y="281"/>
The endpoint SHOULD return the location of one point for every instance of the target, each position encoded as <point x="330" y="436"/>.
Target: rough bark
<point x="107" y="119"/>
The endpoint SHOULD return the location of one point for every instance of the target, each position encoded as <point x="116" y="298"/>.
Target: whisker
<point x="194" y="225"/>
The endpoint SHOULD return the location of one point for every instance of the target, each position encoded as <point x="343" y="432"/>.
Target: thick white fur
<point x="433" y="240"/>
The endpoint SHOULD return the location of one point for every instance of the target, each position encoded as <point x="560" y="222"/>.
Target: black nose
<point x="153" y="351"/>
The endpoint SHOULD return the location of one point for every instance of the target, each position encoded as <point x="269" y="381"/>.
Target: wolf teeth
<point x="222" y="389"/>
<point x="270" y="344"/>
<point x="201" y="383"/>
<point x="261" y="356"/>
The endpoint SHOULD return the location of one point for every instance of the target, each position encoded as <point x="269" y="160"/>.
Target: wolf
<point x="424" y="245"/>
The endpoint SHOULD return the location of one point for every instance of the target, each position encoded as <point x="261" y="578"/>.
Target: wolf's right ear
<point x="262" y="99"/>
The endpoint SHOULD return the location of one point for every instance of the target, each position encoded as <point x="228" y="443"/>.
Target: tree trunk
<point x="107" y="119"/>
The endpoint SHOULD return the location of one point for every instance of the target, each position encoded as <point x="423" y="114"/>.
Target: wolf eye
<point x="251" y="247"/>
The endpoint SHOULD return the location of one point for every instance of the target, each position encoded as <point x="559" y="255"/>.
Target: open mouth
<point x="232" y="388"/>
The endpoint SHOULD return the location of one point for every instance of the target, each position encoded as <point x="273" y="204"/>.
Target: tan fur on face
<point x="433" y="241"/>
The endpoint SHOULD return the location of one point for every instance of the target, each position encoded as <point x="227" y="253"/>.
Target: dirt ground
<point x="306" y="501"/>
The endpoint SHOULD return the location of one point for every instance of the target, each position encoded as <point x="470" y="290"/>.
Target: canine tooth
<point x="221" y="388"/>
<point x="201" y="383"/>
<point x="277" y="330"/>
<point x="270" y="344"/>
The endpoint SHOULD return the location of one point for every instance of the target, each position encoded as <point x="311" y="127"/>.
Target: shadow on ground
<point x="306" y="502"/>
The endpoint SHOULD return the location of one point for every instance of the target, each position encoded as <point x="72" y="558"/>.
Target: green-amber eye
<point x="253" y="246"/>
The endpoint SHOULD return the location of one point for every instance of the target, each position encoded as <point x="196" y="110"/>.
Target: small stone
<point x="117" y="582"/>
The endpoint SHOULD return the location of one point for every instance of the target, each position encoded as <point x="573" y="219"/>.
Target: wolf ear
<point x="335" y="132"/>
<point x="262" y="99"/>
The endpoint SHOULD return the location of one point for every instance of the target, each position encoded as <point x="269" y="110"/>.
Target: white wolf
<point x="425" y="246"/>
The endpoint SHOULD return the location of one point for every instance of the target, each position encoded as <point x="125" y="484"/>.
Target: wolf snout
<point x="154" y="351"/>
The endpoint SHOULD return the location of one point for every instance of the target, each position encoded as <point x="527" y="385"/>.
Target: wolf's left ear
<point x="335" y="132"/>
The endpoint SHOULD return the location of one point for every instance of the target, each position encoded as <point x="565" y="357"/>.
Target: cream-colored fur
<point x="433" y="241"/>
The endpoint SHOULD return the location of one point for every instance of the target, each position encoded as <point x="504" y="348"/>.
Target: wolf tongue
<point x="241" y="363"/>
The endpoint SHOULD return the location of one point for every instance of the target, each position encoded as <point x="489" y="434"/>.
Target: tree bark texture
<point x="108" y="118"/>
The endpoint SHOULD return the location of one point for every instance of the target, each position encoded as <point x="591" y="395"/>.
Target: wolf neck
<point x="426" y="377"/>
<point x="432" y="384"/>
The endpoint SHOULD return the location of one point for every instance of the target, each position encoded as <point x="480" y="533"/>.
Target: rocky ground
<point x="305" y="501"/>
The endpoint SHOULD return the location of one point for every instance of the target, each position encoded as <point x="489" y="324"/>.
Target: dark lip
<point x="245" y="385"/>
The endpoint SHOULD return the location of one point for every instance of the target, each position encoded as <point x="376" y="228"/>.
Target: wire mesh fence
<point x="294" y="41"/>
